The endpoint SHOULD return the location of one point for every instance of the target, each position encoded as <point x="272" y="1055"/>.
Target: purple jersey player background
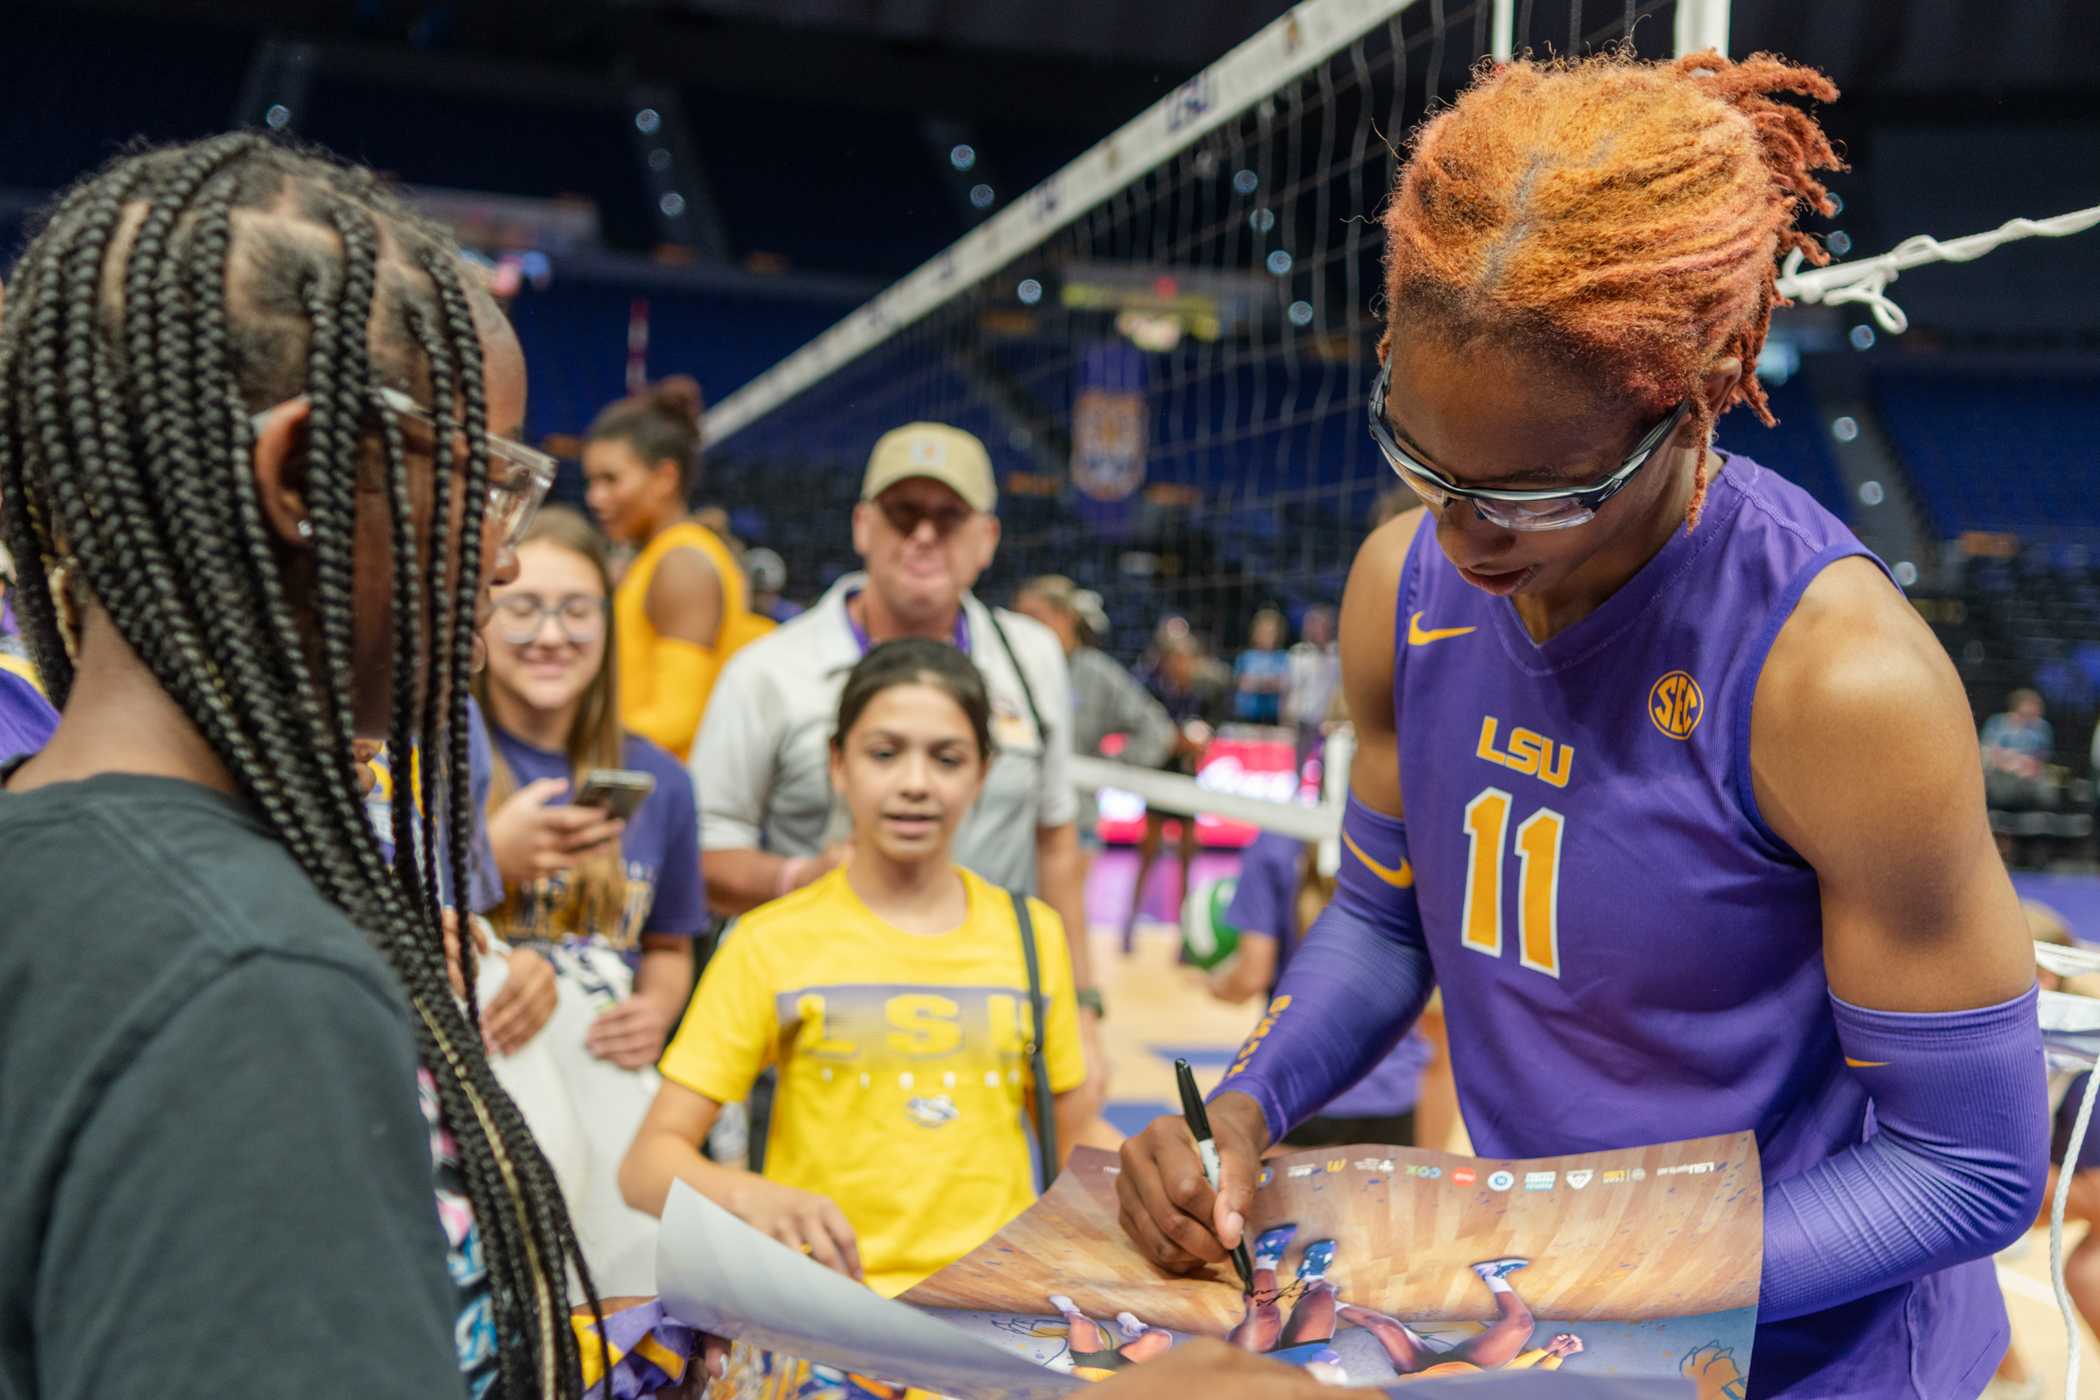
<point x="1266" y="901"/>
<point x="1622" y="744"/>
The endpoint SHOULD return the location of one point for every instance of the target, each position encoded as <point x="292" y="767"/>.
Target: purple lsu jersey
<point x="1628" y="954"/>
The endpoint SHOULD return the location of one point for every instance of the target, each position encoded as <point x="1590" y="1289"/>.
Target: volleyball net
<point x="1167" y="345"/>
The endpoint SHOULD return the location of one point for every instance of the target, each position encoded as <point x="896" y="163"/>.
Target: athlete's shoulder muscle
<point x="1863" y="759"/>
<point x="1369" y="606"/>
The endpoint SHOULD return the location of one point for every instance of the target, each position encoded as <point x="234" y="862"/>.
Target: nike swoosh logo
<point x="1417" y="636"/>
<point x="1400" y="879"/>
<point x="1851" y="1063"/>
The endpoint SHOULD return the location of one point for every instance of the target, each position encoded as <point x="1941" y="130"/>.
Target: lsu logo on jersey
<point x="1676" y="704"/>
<point x="1530" y="753"/>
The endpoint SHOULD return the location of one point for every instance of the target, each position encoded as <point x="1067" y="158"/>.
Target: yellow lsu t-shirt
<point x="902" y="1057"/>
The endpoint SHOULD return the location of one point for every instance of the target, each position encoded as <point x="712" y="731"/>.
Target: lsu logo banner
<point x="1109" y="426"/>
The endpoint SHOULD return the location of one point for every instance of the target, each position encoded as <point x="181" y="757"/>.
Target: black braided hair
<point x="164" y="300"/>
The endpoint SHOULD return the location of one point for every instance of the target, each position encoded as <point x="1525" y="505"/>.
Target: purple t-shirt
<point x="661" y="846"/>
<point x="1266" y="902"/>
<point x="1628" y="953"/>
<point x="26" y="717"/>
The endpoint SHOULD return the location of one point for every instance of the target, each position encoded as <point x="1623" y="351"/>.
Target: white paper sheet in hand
<point x="717" y="1273"/>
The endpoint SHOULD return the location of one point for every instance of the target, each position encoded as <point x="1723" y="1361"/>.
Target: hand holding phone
<point x="620" y="792"/>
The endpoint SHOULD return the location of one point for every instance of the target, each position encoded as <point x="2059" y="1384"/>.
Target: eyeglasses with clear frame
<point x="1512" y="510"/>
<point x="519" y="476"/>
<point x="520" y="616"/>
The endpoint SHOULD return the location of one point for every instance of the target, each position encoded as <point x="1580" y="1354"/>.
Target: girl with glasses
<point x="615" y="905"/>
<point x="1658" y="777"/>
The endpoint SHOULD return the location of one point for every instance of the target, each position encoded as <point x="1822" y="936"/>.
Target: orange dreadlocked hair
<point x="1624" y="216"/>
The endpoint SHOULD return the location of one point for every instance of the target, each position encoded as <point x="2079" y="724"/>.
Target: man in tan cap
<point x="925" y="529"/>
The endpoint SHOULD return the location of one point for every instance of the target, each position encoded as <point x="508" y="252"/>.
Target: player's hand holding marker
<point x="801" y="1220"/>
<point x="1166" y="1207"/>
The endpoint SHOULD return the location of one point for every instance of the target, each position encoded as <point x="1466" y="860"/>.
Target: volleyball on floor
<point x="1206" y="938"/>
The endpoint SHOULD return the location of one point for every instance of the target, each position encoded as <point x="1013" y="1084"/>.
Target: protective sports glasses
<point x="1512" y="510"/>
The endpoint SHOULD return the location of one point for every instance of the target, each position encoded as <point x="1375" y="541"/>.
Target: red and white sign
<point x="1251" y="762"/>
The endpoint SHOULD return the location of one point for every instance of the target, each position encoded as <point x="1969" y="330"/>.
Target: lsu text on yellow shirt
<point x="902" y="1058"/>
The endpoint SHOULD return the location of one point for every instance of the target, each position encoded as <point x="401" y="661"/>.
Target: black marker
<point x="1207" y="1149"/>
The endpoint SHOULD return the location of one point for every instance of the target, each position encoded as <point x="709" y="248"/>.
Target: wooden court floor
<point x="1159" y="1010"/>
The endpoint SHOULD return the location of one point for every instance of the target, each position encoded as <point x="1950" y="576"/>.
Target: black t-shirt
<point x="216" y="1177"/>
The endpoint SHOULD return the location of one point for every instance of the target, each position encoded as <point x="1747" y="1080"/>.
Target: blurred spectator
<point x="768" y="574"/>
<point x="1314" y="679"/>
<point x="1197" y="697"/>
<point x="1106" y="699"/>
<point x="1397" y="500"/>
<point x="2016" y="747"/>
<point x="1262" y="670"/>
<point x="682" y="607"/>
<point x="770" y="822"/>
<point x="613" y="905"/>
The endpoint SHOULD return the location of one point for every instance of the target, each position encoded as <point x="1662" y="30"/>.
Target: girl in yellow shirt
<point x="683" y="608"/>
<point x="893" y="996"/>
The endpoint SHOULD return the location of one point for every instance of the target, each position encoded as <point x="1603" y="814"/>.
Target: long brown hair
<point x="594" y="897"/>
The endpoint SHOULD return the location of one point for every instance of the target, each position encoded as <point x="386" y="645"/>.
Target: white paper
<point x="716" y="1273"/>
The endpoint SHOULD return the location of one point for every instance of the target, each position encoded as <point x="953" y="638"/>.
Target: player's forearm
<point x="1352" y="990"/>
<point x="1953" y="1172"/>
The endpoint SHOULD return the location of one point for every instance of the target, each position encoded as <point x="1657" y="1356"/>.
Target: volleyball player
<point x="1693" y="834"/>
<point x="683" y="607"/>
<point x="251" y="409"/>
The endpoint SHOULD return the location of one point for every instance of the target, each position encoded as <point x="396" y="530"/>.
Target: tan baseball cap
<point x="952" y="457"/>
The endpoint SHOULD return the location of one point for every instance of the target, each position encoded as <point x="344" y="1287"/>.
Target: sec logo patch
<point x="1676" y="704"/>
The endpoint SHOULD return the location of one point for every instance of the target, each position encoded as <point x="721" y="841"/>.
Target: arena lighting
<point x="1301" y="313"/>
<point x="981" y="196"/>
<point x="1246" y="181"/>
<point x="1871" y="494"/>
<point x="647" y="121"/>
<point x="1279" y="262"/>
<point x="963" y="156"/>
<point x="659" y="159"/>
<point x="1839" y="242"/>
<point x="278" y="117"/>
<point x="673" y="204"/>
<point x="1262" y="220"/>
<point x="1861" y="336"/>
<point x="1906" y="573"/>
<point x="1030" y="291"/>
<point x="1844" y="429"/>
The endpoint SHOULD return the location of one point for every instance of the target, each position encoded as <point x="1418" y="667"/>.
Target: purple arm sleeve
<point x="1352" y="989"/>
<point x="1954" y="1170"/>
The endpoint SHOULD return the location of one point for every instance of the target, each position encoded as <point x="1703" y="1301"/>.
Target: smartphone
<point x="620" y="791"/>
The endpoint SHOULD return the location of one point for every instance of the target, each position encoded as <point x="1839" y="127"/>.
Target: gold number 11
<point x="1538" y="866"/>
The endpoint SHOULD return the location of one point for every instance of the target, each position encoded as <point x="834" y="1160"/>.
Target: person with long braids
<point x="1658" y="777"/>
<point x="255" y="486"/>
<point x="683" y="607"/>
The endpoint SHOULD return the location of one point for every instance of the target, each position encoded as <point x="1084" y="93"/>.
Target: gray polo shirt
<point x="761" y="764"/>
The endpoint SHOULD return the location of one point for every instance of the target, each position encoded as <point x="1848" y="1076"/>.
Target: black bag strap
<point x="1045" y="1114"/>
<point x="1021" y="674"/>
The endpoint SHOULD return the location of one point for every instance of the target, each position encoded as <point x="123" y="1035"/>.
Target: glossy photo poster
<point x="1629" y="1273"/>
